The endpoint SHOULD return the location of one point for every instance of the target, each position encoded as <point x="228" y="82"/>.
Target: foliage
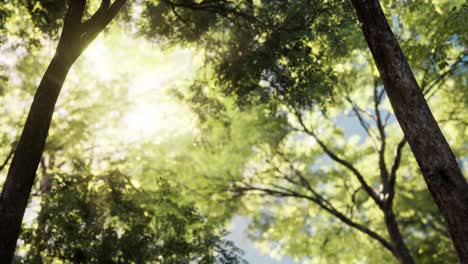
<point x="261" y="50"/>
<point x="295" y="192"/>
<point x="89" y="218"/>
<point x="47" y="15"/>
<point x="266" y="65"/>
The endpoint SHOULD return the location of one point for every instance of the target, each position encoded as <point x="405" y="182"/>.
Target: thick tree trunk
<point x="400" y="250"/>
<point x="22" y="172"/>
<point x="437" y="163"/>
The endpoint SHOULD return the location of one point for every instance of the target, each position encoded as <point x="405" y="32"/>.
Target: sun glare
<point x="154" y="114"/>
<point x="98" y="55"/>
<point x="157" y="121"/>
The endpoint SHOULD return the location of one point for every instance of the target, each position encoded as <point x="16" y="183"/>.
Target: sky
<point x="238" y="234"/>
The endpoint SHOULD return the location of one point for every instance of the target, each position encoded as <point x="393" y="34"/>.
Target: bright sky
<point x="151" y="72"/>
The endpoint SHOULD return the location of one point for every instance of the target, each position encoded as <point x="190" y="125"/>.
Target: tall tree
<point x="79" y="142"/>
<point x="436" y="160"/>
<point x="326" y="179"/>
<point x="75" y="37"/>
<point x="311" y="206"/>
<point x="264" y="42"/>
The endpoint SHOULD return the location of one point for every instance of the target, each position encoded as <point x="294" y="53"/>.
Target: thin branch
<point x="357" y="111"/>
<point x="342" y="162"/>
<point x="214" y="7"/>
<point x="459" y="63"/>
<point x="383" y="137"/>
<point x="317" y="198"/>
<point x="393" y="171"/>
<point x="364" y="124"/>
<point x="333" y="211"/>
<point x="7" y="159"/>
<point x="353" y="197"/>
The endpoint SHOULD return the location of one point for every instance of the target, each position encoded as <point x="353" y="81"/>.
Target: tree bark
<point x="76" y="36"/>
<point x="400" y="250"/>
<point x="22" y="172"/>
<point x="437" y="163"/>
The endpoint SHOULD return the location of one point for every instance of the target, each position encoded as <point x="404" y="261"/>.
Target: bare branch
<point x="364" y="124"/>
<point x="357" y="111"/>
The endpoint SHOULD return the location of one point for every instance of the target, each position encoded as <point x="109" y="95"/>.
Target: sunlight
<point x="153" y="113"/>
<point x="157" y="121"/>
<point x="97" y="55"/>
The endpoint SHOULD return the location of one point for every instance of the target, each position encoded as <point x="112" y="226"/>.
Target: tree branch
<point x="459" y="63"/>
<point x="393" y="171"/>
<point x="333" y="211"/>
<point x="341" y="161"/>
<point x="105" y="14"/>
<point x="384" y="176"/>
<point x="364" y="124"/>
<point x="8" y="157"/>
<point x="74" y="14"/>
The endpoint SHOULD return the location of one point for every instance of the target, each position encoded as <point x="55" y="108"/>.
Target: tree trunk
<point x="437" y="163"/>
<point x="400" y="250"/>
<point x="22" y="172"/>
<point x="76" y="36"/>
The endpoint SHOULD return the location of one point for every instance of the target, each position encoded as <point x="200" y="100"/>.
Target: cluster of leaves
<point x="46" y="15"/>
<point x="4" y="14"/>
<point x="266" y="51"/>
<point x="88" y="218"/>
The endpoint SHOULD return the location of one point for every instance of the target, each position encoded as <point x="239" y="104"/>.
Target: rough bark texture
<point x="437" y="163"/>
<point x="76" y="36"/>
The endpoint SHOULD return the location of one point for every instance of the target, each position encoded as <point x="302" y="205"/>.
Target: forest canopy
<point x="142" y="131"/>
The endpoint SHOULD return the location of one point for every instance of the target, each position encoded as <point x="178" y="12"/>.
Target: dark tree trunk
<point x="400" y="251"/>
<point x="22" y="172"/>
<point x="437" y="163"/>
<point x="76" y="36"/>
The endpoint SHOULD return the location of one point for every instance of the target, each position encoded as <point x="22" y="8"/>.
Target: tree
<point x="105" y="218"/>
<point x="333" y="186"/>
<point x="438" y="164"/>
<point x="79" y="139"/>
<point x="257" y="61"/>
<point x="303" y="195"/>
<point x="355" y="179"/>
<point x="260" y="43"/>
<point x="75" y="37"/>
